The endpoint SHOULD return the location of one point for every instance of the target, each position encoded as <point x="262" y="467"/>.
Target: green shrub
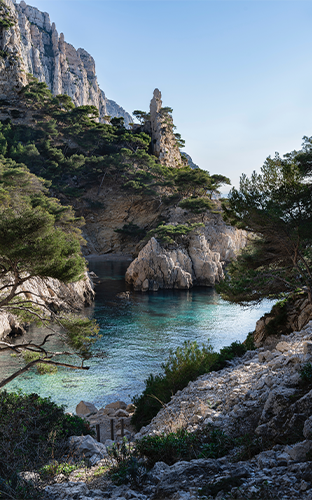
<point x="33" y="430"/>
<point x="168" y="233"/>
<point x="183" y="445"/>
<point x="196" y="205"/>
<point x="126" y="467"/>
<point x="306" y="373"/>
<point x="184" y="365"/>
<point x="249" y="342"/>
<point x="55" y="467"/>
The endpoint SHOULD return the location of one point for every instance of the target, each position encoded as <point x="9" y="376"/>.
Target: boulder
<point x="298" y="452"/>
<point x="86" y="446"/>
<point x="85" y="408"/>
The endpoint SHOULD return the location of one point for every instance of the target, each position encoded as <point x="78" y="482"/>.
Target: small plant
<point x="127" y="467"/>
<point x="170" y="233"/>
<point x="306" y="373"/>
<point x="54" y="468"/>
<point x="183" y="445"/>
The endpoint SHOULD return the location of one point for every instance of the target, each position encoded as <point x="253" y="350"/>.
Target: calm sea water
<point x="136" y="338"/>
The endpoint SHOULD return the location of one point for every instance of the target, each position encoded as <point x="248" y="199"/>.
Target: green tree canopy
<point x="38" y="238"/>
<point x="275" y="205"/>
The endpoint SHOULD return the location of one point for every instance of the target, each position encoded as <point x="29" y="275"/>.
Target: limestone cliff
<point x="32" y="45"/>
<point x="285" y="317"/>
<point x="198" y="260"/>
<point x="164" y="144"/>
<point x="55" y="295"/>
<point x="181" y="267"/>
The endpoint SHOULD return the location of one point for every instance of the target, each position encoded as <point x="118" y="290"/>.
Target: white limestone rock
<point x="50" y="294"/>
<point x="164" y="144"/>
<point x="86" y="446"/>
<point x="85" y="408"/>
<point x="34" y="46"/>
<point x="157" y="267"/>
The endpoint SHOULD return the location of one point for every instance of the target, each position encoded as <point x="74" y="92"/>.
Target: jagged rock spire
<point x="164" y="144"/>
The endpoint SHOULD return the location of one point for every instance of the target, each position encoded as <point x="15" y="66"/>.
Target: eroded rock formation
<point x="197" y="261"/>
<point x="285" y="317"/>
<point x="182" y="267"/>
<point x="164" y="144"/>
<point x="33" y="45"/>
<point x="52" y="294"/>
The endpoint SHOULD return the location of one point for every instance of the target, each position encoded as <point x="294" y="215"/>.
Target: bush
<point x="127" y="467"/>
<point x="183" y="445"/>
<point x="33" y="430"/>
<point x="184" y="365"/>
<point x="168" y="233"/>
<point x="306" y="373"/>
<point x="196" y="205"/>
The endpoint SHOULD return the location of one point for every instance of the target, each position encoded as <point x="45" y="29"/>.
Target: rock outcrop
<point x="255" y="394"/>
<point x="285" y="317"/>
<point x="12" y="67"/>
<point x="181" y="267"/>
<point x="164" y="144"/>
<point x="198" y="261"/>
<point x="32" y="45"/>
<point x="258" y="394"/>
<point x="52" y="295"/>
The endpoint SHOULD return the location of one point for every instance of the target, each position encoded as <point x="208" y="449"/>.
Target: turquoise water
<point x="136" y="338"/>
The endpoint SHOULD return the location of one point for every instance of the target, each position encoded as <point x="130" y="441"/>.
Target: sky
<point x="237" y="74"/>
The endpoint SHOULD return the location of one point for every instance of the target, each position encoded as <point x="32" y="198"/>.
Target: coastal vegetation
<point x="185" y="364"/>
<point x="276" y="206"/>
<point x="34" y="430"/>
<point x="69" y="147"/>
<point x="38" y="238"/>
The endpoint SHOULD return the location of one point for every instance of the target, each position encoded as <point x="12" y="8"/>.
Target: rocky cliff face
<point x="164" y="144"/>
<point x="181" y="267"/>
<point x="284" y="318"/>
<point x="197" y="261"/>
<point x="33" y="45"/>
<point x="53" y="294"/>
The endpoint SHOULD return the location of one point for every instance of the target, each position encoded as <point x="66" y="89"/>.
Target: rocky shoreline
<point x="261" y="394"/>
<point x="52" y="294"/>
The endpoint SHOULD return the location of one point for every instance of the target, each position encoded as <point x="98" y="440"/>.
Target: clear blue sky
<point x="237" y="74"/>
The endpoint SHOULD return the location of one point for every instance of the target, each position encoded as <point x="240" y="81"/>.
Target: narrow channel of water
<point x="137" y="335"/>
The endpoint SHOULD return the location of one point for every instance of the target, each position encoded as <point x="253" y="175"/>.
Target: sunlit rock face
<point x="50" y="294"/>
<point x="37" y="48"/>
<point x="164" y="144"/>
<point x="198" y="260"/>
<point x="12" y="67"/>
<point x="181" y="267"/>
